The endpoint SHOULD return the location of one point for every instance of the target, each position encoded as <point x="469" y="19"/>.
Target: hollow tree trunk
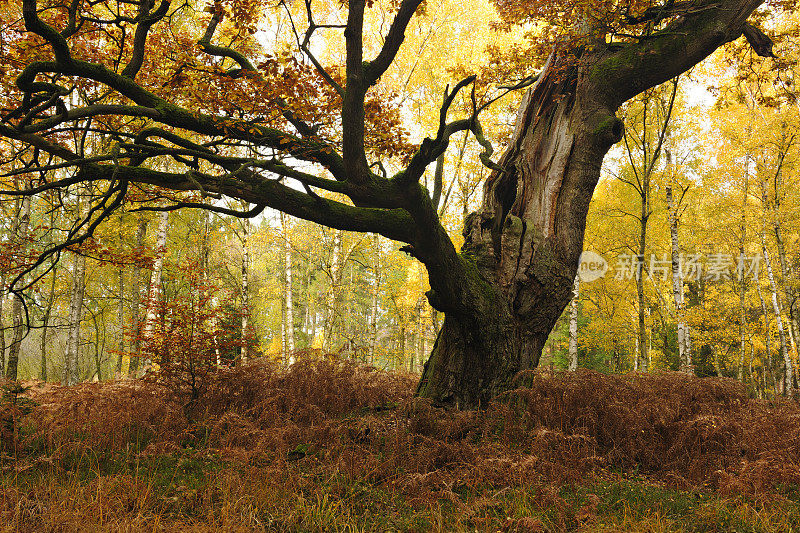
<point x="503" y="293"/>
<point x="522" y="248"/>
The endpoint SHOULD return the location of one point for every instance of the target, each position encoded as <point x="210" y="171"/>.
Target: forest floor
<point x="338" y="447"/>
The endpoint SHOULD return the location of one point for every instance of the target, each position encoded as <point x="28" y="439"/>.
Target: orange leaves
<point x="576" y="16"/>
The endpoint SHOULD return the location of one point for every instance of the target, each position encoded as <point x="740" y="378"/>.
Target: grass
<point x="329" y="447"/>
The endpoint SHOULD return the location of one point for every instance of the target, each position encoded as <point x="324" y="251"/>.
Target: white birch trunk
<point x="71" y="374"/>
<point x="684" y="354"/>
<point x="573" y="325"/>
<point x="373" y="322"/>
<point x="776" y="306"/>
<point x="243" y="355"/>
<point x="154" y="292"/>
<point x="743" y="280"/>
<point x="45" y="323"/>
<point x="333" y="293"/>
<point x="136" y="302"/>
<point x="17" y="319"/>
<point x="287" y="292"/>
<point x="767" y="336"/>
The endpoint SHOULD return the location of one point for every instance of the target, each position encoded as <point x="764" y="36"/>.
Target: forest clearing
<point x="399" y="265"/>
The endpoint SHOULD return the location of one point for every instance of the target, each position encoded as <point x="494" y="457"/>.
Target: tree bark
<point x="513" y="278"/>
<point x="154" y="292"/>
<point x="288" y="312"/>
<point x="21" y="225"/>
<point x="243" y="355"/>
<point x="776" y="306"/>
<point x="573" y="325"/>
<point x="71" y="370"/>
<point x="45" y="323"/>
<point x="136" y="302"/>
<point x="376" y="282"/>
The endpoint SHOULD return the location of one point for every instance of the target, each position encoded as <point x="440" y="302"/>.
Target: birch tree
<point x="154" y="291"/>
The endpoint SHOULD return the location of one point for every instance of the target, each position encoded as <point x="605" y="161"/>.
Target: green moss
<point x="605" y="126"/>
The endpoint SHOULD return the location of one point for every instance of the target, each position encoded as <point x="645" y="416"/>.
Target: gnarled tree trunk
<point x="503" y="293"/>
<point x="522" y="248"/>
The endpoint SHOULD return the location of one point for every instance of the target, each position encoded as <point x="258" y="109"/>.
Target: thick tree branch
<point x="353" y="116"/>
<point x="391" y="223"/>
<point x="223" y="51"/>
<point x="682" y="44"/>
<point x="146" y="21"/>
<point x="254" y="212"/>
<point x="395" y="37"/>
<point x="34" y="24"/>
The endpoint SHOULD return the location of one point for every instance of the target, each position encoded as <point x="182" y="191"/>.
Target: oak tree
<point x="211" y="111"/>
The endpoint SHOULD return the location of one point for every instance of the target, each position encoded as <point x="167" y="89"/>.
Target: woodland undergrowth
<point x="337" y="446"/>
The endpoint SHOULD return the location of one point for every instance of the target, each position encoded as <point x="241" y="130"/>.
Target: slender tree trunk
<point x="3" y="293"/>
<point x="644" y="352"/>
<point x="573" y="325"/>
<point x="767" y="337"/>
<point x="154" y="292"/>
<point x="402" y="347"/>
<point x="776" y="306"/>
<point x="684" y="351"/>
<point x="243" y="355"/>
<point x="136" y="301"/>
<point x="45" y="323"/>
<point x="743" y="280"/>
<point x="18" y="320"/>
<point x="334" y="311"/>
<point x="120" y="322"/>
<point x="373" y="321"/>
<point x="287" y="291"/>
<point x="71" y="371"/>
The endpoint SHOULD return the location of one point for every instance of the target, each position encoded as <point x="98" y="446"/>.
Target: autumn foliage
<point x="290" y="430"/>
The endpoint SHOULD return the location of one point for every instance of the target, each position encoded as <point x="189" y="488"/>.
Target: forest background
<point x="707" y="177"/>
